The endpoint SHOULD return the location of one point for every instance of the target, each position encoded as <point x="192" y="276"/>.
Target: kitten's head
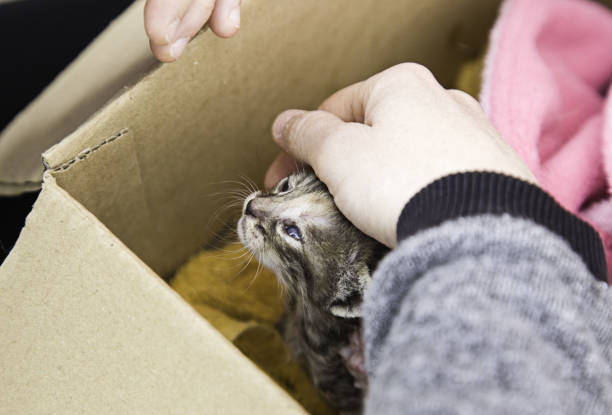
<point x="316" y="253"/>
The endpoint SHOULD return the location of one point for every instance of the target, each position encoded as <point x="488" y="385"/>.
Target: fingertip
<point x="223" y="31"/>
<point x="169" y="53"/>
<point x="225" y="19"/>
<point x="161" y="52"/>
<point x="234" y="17"/>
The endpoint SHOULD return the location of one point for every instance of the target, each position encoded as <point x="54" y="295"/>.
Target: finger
<point x="162" y="18"/>
<point x="302" y="133"/>
<point x="171" y="23"/>
<point x="282" y="166"/>
<point x="198" y="14"/>
<point x="169" y="53"/>
<point x="225" y="19"/>
<point x="281" y="120"/>
<point x="367" y="102"/>
<point x="348" y="104"/>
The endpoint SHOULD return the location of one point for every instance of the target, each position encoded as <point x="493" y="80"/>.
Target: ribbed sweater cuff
<point x="471" y="194"/>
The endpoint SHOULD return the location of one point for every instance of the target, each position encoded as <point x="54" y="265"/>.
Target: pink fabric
<point x="545" y="89"/>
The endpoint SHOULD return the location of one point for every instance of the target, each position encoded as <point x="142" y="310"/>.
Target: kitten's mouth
<point x="251" y="233"/>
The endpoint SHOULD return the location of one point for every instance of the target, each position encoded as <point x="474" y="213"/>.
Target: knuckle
<point x="303" y="123"/>
<point x="407" y="72"/>
<point x="413" y="69"/>
<point x="398" y="81"/>
<point x="296" y="126"/>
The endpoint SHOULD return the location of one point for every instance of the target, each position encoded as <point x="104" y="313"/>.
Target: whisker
<point x="225" y="235"/>
<point x="219" y="211"/>
<point x="232" y="251"/>
<point x="247" y="264"/>
<point x="258" y="271"/>
<point x="235" y="258"/>
<point x="238" y="182"/>
<point x="252" y="184"/>
<point x="230" y="192"/>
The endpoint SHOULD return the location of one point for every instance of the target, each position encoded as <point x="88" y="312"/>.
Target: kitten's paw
<point x="353" y="357"/>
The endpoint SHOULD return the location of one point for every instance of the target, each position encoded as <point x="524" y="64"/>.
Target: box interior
<point x="175" y="136"/>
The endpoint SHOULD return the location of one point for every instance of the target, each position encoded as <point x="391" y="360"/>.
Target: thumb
<point x="302" y="133"/>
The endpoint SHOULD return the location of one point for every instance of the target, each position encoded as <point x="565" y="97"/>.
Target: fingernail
<point x="234" y="17"/>
<point x="171" y="30"/>
<point x="177" y="47"/>
<point x="280" y="122"/>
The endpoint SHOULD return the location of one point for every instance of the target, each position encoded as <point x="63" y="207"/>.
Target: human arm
<point x="488" y="314"/>
<point x="490" y="303"/>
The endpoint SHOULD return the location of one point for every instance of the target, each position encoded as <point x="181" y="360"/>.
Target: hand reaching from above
<point x="171" y="23"/>
<point x="378" y="142"/>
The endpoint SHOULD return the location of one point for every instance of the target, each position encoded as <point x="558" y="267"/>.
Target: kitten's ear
<point x="351" y="307"/>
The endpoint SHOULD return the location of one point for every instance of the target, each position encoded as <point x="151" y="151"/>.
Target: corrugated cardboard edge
<point x="95" y="77"/>
<point x="77" y="338"/>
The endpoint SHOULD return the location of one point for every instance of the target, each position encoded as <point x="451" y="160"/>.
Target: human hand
<point x="376" y="143"/>
<point x="171" y="23"/>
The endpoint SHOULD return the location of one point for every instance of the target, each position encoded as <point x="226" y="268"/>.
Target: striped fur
<point x="324" y="271"/>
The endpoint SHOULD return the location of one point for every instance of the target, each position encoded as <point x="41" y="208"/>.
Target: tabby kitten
<point x="324" y="263"/>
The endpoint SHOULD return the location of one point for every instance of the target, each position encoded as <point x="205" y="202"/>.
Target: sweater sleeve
<point x="489" y="312"/>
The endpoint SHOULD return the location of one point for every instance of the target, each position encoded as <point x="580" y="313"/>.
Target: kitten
<point x="324" y="263"/>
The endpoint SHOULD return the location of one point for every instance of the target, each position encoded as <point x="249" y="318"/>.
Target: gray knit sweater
<point x="487" y="314"/>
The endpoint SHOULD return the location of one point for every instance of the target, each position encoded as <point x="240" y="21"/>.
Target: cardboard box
<point x="87" y="324"/>
<point x="113" y="61"/>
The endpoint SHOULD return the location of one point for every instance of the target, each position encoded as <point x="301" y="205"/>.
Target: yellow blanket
<point x="245" y="308"/>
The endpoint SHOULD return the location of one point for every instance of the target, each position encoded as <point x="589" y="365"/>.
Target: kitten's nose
<point x="249" y="209"/>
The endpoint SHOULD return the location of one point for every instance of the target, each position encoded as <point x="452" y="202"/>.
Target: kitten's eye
<point x="294" y="232"/>
<point x="284" y="186"/>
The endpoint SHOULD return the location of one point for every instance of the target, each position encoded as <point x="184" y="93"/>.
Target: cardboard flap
<point x="206" y="118"/>
<point x="116" y="59"/>
<point x="88" y="328"/>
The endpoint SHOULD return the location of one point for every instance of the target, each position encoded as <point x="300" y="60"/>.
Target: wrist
<point x="476" y="193"/>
